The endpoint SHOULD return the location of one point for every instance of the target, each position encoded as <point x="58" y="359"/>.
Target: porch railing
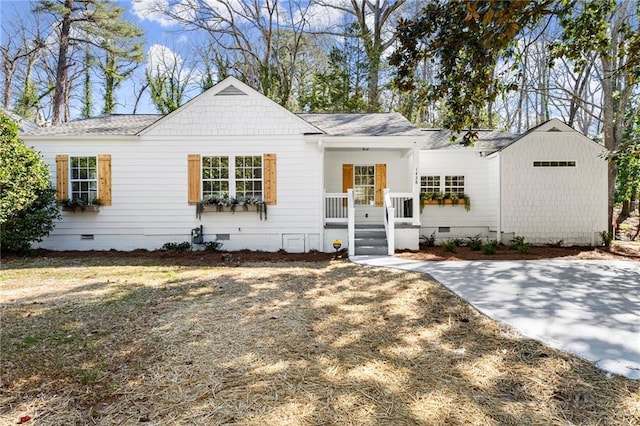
<point x="402" y="202"/>
<point x="335" y="207"/>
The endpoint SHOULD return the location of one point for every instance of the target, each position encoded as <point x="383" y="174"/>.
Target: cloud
<point x="163" y="60"/>
<point x="152" y="10"/>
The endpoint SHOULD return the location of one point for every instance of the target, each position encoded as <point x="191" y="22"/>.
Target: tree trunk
<point x="61" y="69"/>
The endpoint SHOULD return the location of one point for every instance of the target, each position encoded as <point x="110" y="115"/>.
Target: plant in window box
<point x="467" y="201"/>
<point x="231" y="204"/>
<point x="78" y="204"/>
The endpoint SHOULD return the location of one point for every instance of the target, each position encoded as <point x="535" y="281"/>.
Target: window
<point x="364" y="185"/>
<point x="249" y="176"/>
<point x="554" y="164"/>
<point x="215" y="177"/>
<point x="242" y="181"/>
<point x="454" y="185"/>
<point x="429" y="184"/>
<point x="84" y="179"/>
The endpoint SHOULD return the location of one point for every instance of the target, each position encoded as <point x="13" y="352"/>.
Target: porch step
<point x="370" y="240"/>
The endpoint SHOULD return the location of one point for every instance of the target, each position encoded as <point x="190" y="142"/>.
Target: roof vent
<point x="554" y="129"/>
<point x="231" y="90"/>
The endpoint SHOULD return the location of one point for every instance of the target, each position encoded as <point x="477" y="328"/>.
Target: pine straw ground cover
<point x="130" y="341"/>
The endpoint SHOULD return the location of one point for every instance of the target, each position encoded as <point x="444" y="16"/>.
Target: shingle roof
<point x="370" y="124"/>
<point x="24" y="125"/>
<point x="487" y="139"/>
<point x="108" y="125"/>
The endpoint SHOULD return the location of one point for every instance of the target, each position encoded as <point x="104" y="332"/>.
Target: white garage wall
<point x="549" y="204"/>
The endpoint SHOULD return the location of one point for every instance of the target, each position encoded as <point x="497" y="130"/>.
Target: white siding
<point x="398" y="167"/>
<point x="149" y="186"/>
<point x="549" y="204"/>
<point x="480" y="181"/>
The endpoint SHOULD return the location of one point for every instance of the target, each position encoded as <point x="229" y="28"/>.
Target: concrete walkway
<point x="588" y="308"/>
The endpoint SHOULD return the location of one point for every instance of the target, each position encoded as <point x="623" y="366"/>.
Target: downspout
<point x="499" y="227"/>
<point x="322" y="192"/>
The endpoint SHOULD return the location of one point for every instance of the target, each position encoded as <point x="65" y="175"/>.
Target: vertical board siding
<point x="104" y="179"/>
<point x="381" y="183"/>
<point x="347" y="177"/>
<point x="62" y="177"/>
<point x="194" y="178"/>
<point x="270" y="179"/>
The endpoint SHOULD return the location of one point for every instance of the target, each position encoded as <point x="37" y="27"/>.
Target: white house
<point x="352" y="177"/>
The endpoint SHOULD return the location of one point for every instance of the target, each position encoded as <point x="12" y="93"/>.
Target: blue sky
<point x="155" y="34"/>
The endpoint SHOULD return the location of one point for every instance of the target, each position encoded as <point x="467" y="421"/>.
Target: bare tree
<point x="375" y="19"/>
<point x="260" y="41"/>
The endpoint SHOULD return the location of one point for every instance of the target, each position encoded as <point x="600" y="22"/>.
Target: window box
<point x="231" y="205"/>
<point x="84" y="209"/>
<point x="79" y="205"/>
<point x="443" y="202"/>
<point x="442" y="199"/>
<point x="208" y="208"/>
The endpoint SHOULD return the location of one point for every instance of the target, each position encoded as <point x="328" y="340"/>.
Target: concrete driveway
<point x="588" y="308"/>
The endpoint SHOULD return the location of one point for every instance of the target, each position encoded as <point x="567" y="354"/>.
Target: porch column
<point x="416" y="184"/>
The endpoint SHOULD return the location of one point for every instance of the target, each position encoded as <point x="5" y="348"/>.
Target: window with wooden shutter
<point x="193" y="178"/>
<point x="347" y="179"/>
<point x="104" y="179"/>
<point x="62" y="177"/>
<point x="270" y="179"/>
<point x="381" y="183"/>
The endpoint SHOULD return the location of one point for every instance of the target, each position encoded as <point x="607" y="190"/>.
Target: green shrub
<point x="475" y="243"/>
<point x="429" y="241"/>
<point x="606" y="237"/>
<point x="490" y="247"/>
<point x="184" y="246"/>
<point x="449" y="245"/>
<point x="518" y="243"/>
<point x="212" y="245"/>
<point x="27" y="202"/>
<point x="459" y="242"/>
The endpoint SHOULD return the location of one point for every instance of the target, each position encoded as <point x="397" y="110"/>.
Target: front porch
<point x="371" y="230"/>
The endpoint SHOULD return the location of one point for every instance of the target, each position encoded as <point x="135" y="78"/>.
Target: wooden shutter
<point x="270" y="179"/>
<point x="347" y="179"/>
<point x="104" y="179"/>
<point x="193" y="178"/>
<point x="381" y="183"/>
<point x="62" y="177"/>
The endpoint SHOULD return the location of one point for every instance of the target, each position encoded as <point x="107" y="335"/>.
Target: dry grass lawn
<point x="133" y="341"/>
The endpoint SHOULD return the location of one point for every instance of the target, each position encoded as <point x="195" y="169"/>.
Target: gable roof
<point x="553" y="125"/>
<point x="108" y="125"/>
<point x="362" y="124"/>
<point x="229" y="108"/>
